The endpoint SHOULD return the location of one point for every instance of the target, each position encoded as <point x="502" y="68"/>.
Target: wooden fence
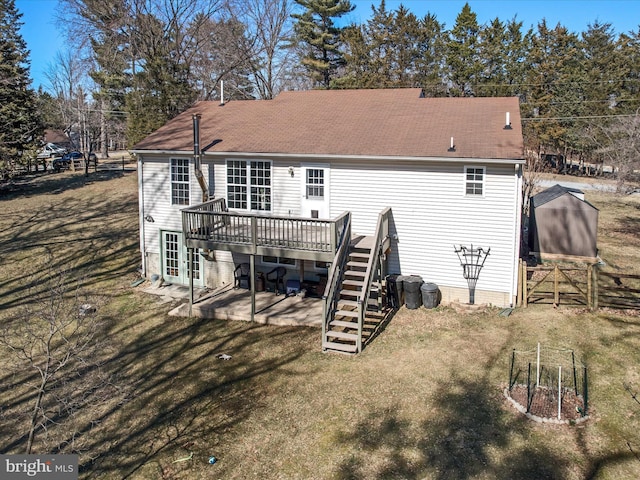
<point x="574" y="285"/>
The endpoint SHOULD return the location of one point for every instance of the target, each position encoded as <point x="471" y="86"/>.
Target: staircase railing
<point x="334" y="278"/>
<point x="380" y="242"/>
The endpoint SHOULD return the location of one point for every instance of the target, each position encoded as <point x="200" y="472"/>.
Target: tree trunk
<point x="36" y="409"/>
<point x="104" y="151"/>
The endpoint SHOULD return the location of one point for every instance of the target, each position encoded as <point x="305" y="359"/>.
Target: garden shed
<point x="562" y="223"/>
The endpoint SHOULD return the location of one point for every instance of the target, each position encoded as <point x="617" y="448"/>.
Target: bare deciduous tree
<point x="618" y="143"/>
<point x="53" y="344"/>
<point x="272" y="60"/>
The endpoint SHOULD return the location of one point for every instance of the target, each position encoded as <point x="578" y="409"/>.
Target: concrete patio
<point x="227" y="303"/>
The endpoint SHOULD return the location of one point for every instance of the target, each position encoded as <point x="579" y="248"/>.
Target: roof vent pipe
<point x="221" y="92"/>
<point x="197" y="157"/>
<point x="452" y="147"/>
<point x="507" y="123"/>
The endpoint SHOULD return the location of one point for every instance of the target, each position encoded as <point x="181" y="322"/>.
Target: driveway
<point x="595" y="185"/>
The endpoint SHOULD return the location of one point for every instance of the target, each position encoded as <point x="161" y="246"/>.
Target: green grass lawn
<point x="424" y="400"/>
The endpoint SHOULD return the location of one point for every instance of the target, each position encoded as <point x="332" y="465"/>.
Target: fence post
<point x="589" y="289"/>
<point x="513" y="361"/>
<point x="538" y="367"/>
<point x="529" y="387"/>
<point x="559" y="391"/>
<point x="525" y="293"/>
<point x="594" y="272"/>
<point x="585" y="391"/>
<point x="556" y="290"/>
<point x="575" y="376"/>
<point x="519" y="296"/>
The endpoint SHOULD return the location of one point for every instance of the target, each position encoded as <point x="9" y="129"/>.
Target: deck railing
<point x="334" y="277"/>
<point x="211" y="222"/>
<point x="374" y="268"/>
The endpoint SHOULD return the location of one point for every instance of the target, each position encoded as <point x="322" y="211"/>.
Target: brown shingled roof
<point x="392" y="122"/>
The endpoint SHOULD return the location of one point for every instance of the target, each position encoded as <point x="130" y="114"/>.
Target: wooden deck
<point x="211" y="226"/>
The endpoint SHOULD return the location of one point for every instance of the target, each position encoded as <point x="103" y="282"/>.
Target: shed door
<point x="315" y="191"/>
<point x="175" y="268"/>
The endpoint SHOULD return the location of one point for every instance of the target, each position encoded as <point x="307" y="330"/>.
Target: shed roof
<point x="391" y="122"/>
<point x="554" y="192"/>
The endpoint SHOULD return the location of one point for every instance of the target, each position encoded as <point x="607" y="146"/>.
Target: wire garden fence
<point x="549" y="384"/>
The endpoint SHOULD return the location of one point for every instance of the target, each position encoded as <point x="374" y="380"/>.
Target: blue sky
<point x="44" y="39"/>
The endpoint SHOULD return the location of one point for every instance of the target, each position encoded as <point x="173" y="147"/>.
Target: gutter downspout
<point x="141" y="215"/>
<point x="197" y="157"/>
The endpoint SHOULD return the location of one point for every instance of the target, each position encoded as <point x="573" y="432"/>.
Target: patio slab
<point x="228" y="303"/>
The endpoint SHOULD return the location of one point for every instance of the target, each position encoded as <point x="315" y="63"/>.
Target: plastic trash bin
<point x="411" y="286"/>
<point x="394" y="291"/>
<point x="429" y="295"/>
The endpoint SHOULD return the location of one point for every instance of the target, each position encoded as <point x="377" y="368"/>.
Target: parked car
<point x="64" y="162"/>
<point x="51" y="150"/>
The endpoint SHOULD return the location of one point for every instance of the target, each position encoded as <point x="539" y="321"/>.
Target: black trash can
<point x="429" y="295"/>
<point x="399" y="286"/>
<point x="411" y="286"/>
<point x="394" y="291"/>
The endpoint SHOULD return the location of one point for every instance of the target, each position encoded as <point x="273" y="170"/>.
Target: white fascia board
<point x="387" y="158"/>
<point x="162" y="152"/>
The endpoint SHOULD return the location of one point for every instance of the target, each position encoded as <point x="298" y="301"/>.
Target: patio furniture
<point x="276" y="276"/>
<point x="241" y="274"/>
<point x="293" y="287"/>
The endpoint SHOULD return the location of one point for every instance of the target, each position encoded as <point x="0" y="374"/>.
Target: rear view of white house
<point x="440" y="172"/>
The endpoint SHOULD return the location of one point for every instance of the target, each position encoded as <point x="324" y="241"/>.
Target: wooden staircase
<point x="342" y="334"/>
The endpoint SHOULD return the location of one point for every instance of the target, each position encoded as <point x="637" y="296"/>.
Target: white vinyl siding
<point x="430" y="212"/>
<point x="156" y="199"/>
<point x="430" y="217"/>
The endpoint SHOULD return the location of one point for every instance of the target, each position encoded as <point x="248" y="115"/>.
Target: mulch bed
<point x="545" y="402"/>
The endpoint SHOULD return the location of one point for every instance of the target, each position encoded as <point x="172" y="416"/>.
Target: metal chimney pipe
<point x="196" y="140"/>
<point x="197" y="157"/>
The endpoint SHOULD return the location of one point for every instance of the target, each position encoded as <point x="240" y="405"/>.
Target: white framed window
<point x="474" y="181"/>
<point x="237" y="184"/>
<point x="315" y="183"/>
<point x="179" y="181"/>
<point x="249" y="185"/>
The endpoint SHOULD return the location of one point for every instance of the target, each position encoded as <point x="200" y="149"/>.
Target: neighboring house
<point x="448" y="171"/>
<point x="562" y="224"/>
<point x="58" y="137"/>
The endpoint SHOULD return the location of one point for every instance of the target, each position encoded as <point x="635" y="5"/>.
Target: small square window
<point x="474" y="181"/>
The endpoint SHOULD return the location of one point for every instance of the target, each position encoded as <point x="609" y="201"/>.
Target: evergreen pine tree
<point x="628" y="46"/>
<point x="320" y="37"/>
<point x="430" y="58"/>
<point x="20" y="128"/>
<point x="463" y="59"/>
<point x="556" y="89"/>
<point x="161" y="88"/>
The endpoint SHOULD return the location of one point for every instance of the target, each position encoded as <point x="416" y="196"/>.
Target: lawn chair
<point x="241" y="274"/>
<point x="276" y="276"/>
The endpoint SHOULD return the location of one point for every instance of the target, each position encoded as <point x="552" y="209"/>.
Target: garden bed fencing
<point x="549" y="384"/>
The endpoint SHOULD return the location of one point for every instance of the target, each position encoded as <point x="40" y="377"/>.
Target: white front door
<point x="175" y="267"/>
<point x="315" y="191"/>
